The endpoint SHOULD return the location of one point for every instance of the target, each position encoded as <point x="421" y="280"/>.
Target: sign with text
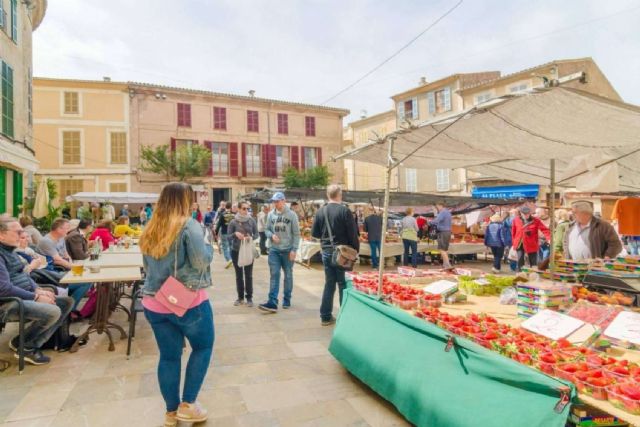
<point x="552" y="324"/>
<point x="441" y="287"/>
<point x="625" y="327"/>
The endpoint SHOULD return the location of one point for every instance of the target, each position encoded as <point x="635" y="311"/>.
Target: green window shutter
<point x="3" y="190"/>
<point x="14" y="20"/>
<point x="7" y="100"/>
<point x="17" y="193"/>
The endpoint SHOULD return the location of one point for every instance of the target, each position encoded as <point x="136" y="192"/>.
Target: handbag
<point x="174" y="295"/>
<point x="409" y="234"/>
<point x="344" y="256"/>
<point x="246" y="253"/>
<point x="513" y="254"/>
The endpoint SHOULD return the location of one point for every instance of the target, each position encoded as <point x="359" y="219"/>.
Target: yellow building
<point x="81" y="133"/>
<point x="18" y="19"/>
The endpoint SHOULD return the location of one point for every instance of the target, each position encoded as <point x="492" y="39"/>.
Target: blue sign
<point x="525" y="191"/>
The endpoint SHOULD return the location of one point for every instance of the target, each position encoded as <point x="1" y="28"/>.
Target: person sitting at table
<point x="103" y="232"/>
<point x="76" y="241"/>
<point x="590" y="237"/>
<point x="42" y="308"/>
<point x="123" y="228"/>
<point x="27" y="225"/>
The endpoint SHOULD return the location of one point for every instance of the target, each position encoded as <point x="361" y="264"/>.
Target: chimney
<point x="363" y="114"/>
<point x="106" y="79"/>
<point x="252" y="93"/>
<point x="423" y="81"/>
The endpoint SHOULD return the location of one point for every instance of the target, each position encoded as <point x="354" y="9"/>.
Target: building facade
<point x="82" y="135"/>
<point x="18" y="19"/>
<point x="252" y="140"/>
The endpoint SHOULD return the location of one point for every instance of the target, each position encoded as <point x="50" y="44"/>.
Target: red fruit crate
<point x="618" y="399"/>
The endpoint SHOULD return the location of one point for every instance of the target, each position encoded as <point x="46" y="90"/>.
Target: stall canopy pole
<point x="385" y="215"/>
<point x="552" y="219"/>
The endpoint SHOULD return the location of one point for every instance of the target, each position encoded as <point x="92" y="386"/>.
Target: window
<point x="7" y="100"/>
<point x="253" y="124"/>
<point x="117" y="187"/>
<point x="220" y="118"/>
<point x="443" y="100"/>
<point x="220" y="158"/>
<point x="71" y="149"/>
<point x="283" y="159"/>
<point x="310" y="126"/>
<point x="14" y="20"/>
<point x="411" y="176"/>
<point x="408" y="109"/>
<point x="484" y="97"/>
<point x="118" y="148"/>
<point x="67" y="187"/>
<point x="184" y="115"/>
<point x="283" y="124"/>
<point x="71" y="103"/>
<point x="442" y="180"/>
<point x="252" y="159"/>
<point x="518" y="87"/>
<point x="310" y="157"/>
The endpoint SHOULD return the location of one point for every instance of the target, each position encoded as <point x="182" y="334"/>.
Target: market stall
<point x="115" y="198"/>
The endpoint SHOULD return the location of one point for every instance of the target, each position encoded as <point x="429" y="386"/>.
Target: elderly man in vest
<point x="590" y="237"/>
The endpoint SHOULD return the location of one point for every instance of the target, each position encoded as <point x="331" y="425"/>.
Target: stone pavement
<point x="268" y="370"/>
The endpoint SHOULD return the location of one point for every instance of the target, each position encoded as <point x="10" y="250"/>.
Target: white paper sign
<point x="482" y="282"/>
<point x="626" y="327"/>
<point x="552" y="324"/>
<point x="440" y="287"/>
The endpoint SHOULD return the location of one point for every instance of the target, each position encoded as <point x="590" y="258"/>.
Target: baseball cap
<point x="525" y="209"/>
<point x="277" y="196"/>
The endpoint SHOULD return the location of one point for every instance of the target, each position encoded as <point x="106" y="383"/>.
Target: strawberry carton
<point x="621" y="371"/>
<point x="567" y="371"/>
<point x="625" y="396"/>
<point x="595" y="385"/>
<point x="405" y="301"/>
<point x="546" y="362"/>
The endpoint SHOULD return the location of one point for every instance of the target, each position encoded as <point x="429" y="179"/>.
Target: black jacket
<point x="343" y="227"/>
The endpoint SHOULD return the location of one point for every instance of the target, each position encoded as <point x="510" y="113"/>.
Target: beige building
<point x="18" y="19"/>
<point x="253" y="140"/>
<point x="82" y="134"/>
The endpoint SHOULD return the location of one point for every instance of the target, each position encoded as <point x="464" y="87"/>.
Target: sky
<point x="309" y="50"/>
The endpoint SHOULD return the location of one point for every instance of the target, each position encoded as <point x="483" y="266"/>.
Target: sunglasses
<point x="243" y="209"/>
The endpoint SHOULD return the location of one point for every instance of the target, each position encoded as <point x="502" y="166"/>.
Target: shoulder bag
<point x="344" y="256"/>
<point x="174" y="295"/>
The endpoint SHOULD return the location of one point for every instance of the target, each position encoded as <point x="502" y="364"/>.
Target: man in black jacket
<point x="344" y="231"/>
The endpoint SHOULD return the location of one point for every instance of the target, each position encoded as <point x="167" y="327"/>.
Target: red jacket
<point x="528" y="235"/>
<point x="104" y="235"/>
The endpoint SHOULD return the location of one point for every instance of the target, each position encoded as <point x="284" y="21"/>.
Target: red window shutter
<point x="180" y="114"/>
<point x="187" y="113"/>
<point x="283" y="124"/>
<point x="184" y="115"/>
<point x="319" y="151"/>
<point x="295" y="157"/>
<point x="220" y="118"/>
<point x="244" y="159"/>
<point x="223" y="112"/>
<point x="273" y="161"/>
<point x="264" y="156"/>
<point x="310" y="126"/>
<point x="173" y="144"/>
<point x="209" y="146"/>
<point x="252" y="121"/>
<point x="302" y="162"/>
<point x="233" y="159"/>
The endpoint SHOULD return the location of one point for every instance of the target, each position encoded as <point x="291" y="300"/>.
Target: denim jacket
<point x="194" y="259"/>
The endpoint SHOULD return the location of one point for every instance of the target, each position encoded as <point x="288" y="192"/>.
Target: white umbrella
<point x="41" y="207"/>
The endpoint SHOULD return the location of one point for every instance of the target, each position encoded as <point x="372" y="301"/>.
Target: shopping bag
<point x="245" y="255"/>
<point x="513" y="254"/>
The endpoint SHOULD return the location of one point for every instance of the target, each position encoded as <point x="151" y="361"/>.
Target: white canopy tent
<point x="550" y="136"/>
<point x="116" y="198"/>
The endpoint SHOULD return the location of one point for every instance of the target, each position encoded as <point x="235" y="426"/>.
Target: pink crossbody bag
<point x="173" y="295"/>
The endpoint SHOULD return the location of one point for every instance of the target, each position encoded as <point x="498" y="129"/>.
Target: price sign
<point x="552" y="324"/>
<point x="625" y="327"/>
<point x="441" y="287"/>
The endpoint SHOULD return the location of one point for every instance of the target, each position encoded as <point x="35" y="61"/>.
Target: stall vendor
<point x="590" y="237"/>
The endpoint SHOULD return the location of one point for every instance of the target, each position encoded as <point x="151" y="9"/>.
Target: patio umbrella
<point x="41" y="207"/>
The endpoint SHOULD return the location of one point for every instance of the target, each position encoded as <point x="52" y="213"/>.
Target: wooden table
<point x="105" y="281"/>
<point x="115" y="260"/>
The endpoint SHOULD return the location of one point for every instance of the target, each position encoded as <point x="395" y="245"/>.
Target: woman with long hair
<point x="409" y="235"/>
<point x="173" y="245"/>
<point x="242" y="228"/>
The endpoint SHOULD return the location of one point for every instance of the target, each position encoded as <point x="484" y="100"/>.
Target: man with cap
<point x="590" y="237"/>
<point x="524" y="232"/>
<point x="283" y="232"/>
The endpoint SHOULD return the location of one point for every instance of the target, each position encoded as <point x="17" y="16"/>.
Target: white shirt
<point x="579" y="242"/>
<point x="262" y="222"/>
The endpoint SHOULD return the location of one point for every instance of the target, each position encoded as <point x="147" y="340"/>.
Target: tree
<point x="316" y="177"/>
<point x="187" y="161"/>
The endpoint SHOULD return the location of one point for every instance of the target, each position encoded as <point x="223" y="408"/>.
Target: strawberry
<point x="630" y="390"/>
<point x="599" y="382"/>
<point x="563" y="343"/>
<point x="523" y="358"/>
<point x="620" y="370"/>
<point x="548" y="358"/>
<point x="581" y="375"/>
<point x="570" y="367"/>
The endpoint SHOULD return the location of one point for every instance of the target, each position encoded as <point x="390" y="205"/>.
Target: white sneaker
<point x="495" y="270"/>
<point x="170" y="419"/>
<point x="191" y="412"/>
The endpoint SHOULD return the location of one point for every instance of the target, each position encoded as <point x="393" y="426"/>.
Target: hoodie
<point x="284" y="225"/>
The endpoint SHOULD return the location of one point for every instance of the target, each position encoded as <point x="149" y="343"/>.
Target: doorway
<point x="219" y="194"/>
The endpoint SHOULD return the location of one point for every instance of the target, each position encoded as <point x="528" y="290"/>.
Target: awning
<point x="113" y="197"/>
<point x="506" y="192"/>
<point x="595" y="141"/>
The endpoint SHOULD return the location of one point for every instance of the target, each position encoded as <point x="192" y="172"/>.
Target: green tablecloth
<point x="403" y="359"/>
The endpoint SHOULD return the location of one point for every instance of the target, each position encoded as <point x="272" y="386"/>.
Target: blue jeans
<point x="498" y="253"/>
<point x="413" y="245"/>
<point x="226" y="247"/>
<point x="375" y="252"/>
<point x="634" y="246"/>
<point x="77" y="291"/>
<point x="279" y="260"/>
<point x="170" y="331"/>
<point x="332" y="276"/>
<point x="544" y="252"/>
<point x="43" y="319"/>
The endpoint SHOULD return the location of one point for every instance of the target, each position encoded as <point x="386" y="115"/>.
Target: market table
<point x="111" y="260"/>
<point x="106" y="280"/>
<point x="133" y="249"/>
<point x="306" y="250"/>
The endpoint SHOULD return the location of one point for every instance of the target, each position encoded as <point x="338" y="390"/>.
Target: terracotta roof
<point x="526" y="70"/>
<point x="341" y="111"/>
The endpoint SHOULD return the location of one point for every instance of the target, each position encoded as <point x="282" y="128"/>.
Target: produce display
<point x="535" y="297"/>
<point x="486" y="285"/>
<point x="595" y="314"/>
<point x="613" y="297"/>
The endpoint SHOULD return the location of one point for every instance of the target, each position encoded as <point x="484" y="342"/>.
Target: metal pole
<point x="552" y="218"/>
<point x="385" y="215"/>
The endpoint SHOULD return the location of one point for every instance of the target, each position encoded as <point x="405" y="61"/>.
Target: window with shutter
<point x="220" y="118"/>
<point x="295" y="158"/>
<point x="442" y="179"/>
<point x="118" y="148"/>
<point x="252" y="121"/>
<point x="447" y="99"/>
<point x="411" y="180"/>
<point x="414" y="108"/>
<point x="252" y="161"/>
<point x="310" y="157"/>
<point x="71" y="103"/>
<point x="283" y="124"/>
<point x="184" y="115"/>
<point x="117" y="187"/>
<point x="233" y="159"/>
<point x="443" y="100"/>
<point x="14" y="20"/>
<point x="283" y="159"/>
<point x="7" y="100"/>
<point x="400" y="111"/>
<point x="273" y="169"/>
<point x="310" y="126"/>
<point x="220" y="158"/>
<point x="71" y="148"/>
<point x="67" y="187"/>
<point x="209" y="146"/>
<point x="431" y="102"/>
<point x="408" y="109"/>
